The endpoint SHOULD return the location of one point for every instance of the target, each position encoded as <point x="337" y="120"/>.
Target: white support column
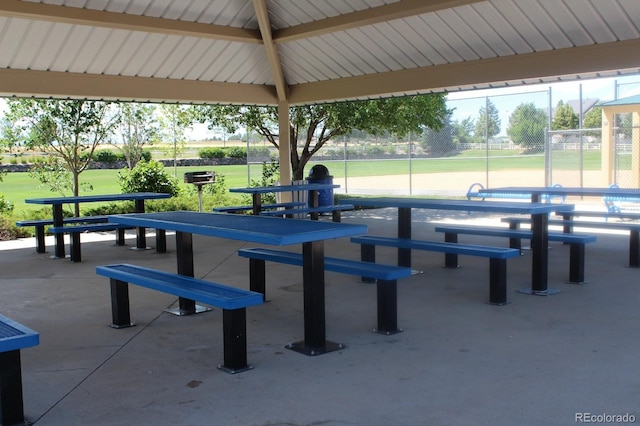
<point x="607" y="149"/>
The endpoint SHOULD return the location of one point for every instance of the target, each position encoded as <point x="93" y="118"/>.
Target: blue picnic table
<point x="57" y="202"/>
<point x="539" y="225"/>
<point x="258" y="191"/>
<point x="263" y="230"/>
<point x="538" y="191"/>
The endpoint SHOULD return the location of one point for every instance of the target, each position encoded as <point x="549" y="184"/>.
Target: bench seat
<point x="13" y="337"/>
<point x="497" y="257"/>
<point x="568" y="225"/>
<point x="334" y="209"/>
<point x="40" y="224"/>
<point x="249" y="208"/>
<point x="385" y="275"/>
<point x="233" y="302"/>
<point x="576" y="243"/>
<point x="76" y="230"/>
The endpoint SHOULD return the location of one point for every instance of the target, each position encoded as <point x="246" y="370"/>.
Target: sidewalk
<point x="459" y="361"/>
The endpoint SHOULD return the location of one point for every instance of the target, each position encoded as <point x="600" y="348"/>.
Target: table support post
<point x="58" y="221"/>
<point x="257" y="203"/>
<point x="314" y="304"/>
<point x="539" y="256"/>
<point x="634" y="248"/>
<point x="11" y="402"/>
<point x="404" y="231"/>
<point x="184" y="251"/>
<point x="141" y="238"/>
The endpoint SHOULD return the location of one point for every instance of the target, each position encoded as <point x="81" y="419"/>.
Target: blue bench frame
<point x="334" y="209"/>
<point x="472" y="192"/>
<point x="76" y="230"/>
<point x="610" y="201"/>
<point x="576" y="243"/>
<point x="233" y="302"/>
<point x="385" y="276"/>
<point x="568" y="225"/>
<point x="497" y="258"/>
<point x="40" y="224"/>
<point x="13" y="337"/>
<point x="249" y="208"/>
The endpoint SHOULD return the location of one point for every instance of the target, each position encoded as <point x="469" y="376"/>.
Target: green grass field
<point x="16" y="187"/>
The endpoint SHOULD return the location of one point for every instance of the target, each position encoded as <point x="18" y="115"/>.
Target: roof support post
<point x="284" y="144"/>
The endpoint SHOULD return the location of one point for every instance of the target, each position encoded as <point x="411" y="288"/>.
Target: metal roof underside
<point x="306" y="51"/>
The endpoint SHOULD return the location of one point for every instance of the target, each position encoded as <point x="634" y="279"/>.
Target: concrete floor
<point x="536" y="361"/>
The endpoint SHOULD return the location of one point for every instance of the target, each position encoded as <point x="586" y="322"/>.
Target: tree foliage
<point x="174" y="121"/>
<point x="488" y="123"/>
<point x="311" y="126"/>
<point x="137" y="128"/>
<point x="528" y="126"/>
<point x="564" y="118"/>
<point x="66" y="129"/>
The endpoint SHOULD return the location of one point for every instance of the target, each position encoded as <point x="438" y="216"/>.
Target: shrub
<point x="237" y="152"/>
<point x="146" y="155"/>
<point x="148" y="176"/>
<point x="106" y="156"/>
<point x="211" y="153"/>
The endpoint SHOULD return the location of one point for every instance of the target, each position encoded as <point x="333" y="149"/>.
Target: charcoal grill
<point x="199" y="179"/>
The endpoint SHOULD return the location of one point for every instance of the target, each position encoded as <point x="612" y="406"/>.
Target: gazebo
<point x="285" y="53"/>
<point x="626" y="105"/>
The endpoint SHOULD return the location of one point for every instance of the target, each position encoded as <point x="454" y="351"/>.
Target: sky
<point x="468" y="103"/>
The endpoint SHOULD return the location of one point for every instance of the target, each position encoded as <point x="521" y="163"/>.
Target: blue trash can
<point x="320" y="174"/>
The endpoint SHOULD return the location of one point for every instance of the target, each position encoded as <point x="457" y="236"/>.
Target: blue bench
<point x="13" y="338"/>
<point x="473" y="192"/>
<point x="40" y="224"/>
<point x="76" y="230"/>
<point x="612" y="202"/>
<point x="334" y="209"/>
<point x="497" y="258"/>
<point x="249" y="208"/>
<point x="576" y="243"/>
<point x="568" y="225"/>
<point x="232" y="301"/>
<point x="385" y="275"/>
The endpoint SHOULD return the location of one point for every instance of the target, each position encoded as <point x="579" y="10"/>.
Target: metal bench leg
<point x="11" y="403"/>
<point x="387" y="307"/>
<point x="576" y="263"/>
<point x="257" y="277"/>
<point x="75" y="247"/>
<point x="161" y="241"/>
<point x="515" y="243"/>
<point x="120" y="315"/>
<point x="335" y="216"/>
<point x="234" y="325"/>
<point x="40" y="245"/>
<point x="634" y="249"/>
<point x="120" y="241"/>
<point x="367" y="254"/>
<point x="451" y="259"/>
<point x="497" y="281"/>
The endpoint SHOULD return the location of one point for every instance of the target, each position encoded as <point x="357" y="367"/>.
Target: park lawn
<point x="16" y="187"/>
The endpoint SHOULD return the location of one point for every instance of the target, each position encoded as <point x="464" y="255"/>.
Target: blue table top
<point x="462" y="205"/>
<point x="595" y="192"/>
<point x="14" y="335"/>
<point x="255" y="229"/>
<point x="99" y="198"/>
<point x="285" y="188"/>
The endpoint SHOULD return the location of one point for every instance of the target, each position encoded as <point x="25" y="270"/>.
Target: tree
<point x="488" y="123"/>
<point x="528" y="126"/>
<point x="311" y="126"/>
<point x="137" y="127"/>
<point x="69" y="130"/>
<point x="10" y="134"/>
<point x="441" y="142"/>
<point x="593" y="120"/>
<point x="564" y="118"/>
<point x="462" y="131"/>
<point x="174" y="121"/>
